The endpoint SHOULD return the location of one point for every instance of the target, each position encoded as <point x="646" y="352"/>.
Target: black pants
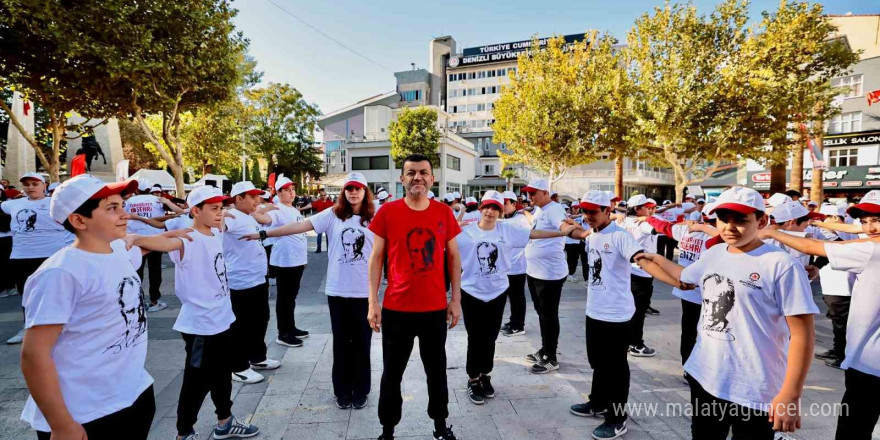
<point x="690" y="319"/>
<point x="713" y="418"/>
<point x="251" y="309"/>
<point x="207" y="369"/>
<point x="6" y="282"/>
<point x="22" y="269"/>
<point x="838" y="313"/>
<point x="321" y="237"/>
<point x="516" y="292"/>
<point x="153" y="262"/>
<point x="287" y="281"/>
<point x="859" y="408"/>
<point x="606" y="352"/>
<point x="129" y="423"/>
<point x="572" y="253"/>
<point x="545" y="296"/>
<point x="642" y="288"/>
<point x="351" y="345"/>
<point x="270" y="270"/>
<point x="399" y="330"/>
<point x="666" y="246"/>
<point x="482" y="320"/>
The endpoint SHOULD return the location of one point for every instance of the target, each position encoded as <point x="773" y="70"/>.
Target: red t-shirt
<point x="415" y="242"/>
<point x="319" y="205"/>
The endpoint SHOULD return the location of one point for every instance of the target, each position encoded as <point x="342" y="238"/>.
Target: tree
<point x="693" y="105"/>
<point x="508" y="174"/>
<point x="280" y="127"/>
<point x="415" y="132"/>
<point x="213" y="138"/>
<point x="134" y="147"/>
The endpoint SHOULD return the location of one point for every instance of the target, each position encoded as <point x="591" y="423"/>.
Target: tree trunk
<point x="618" y="176"/>
<point x="817" y="194"/>
<point x="777" y="177"/>
<point x="54" y="167"/>
<point x="28" y="137"/>
<point x="797" y="163"/>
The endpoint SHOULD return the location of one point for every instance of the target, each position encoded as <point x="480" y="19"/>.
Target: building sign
<point x="852" y="139"/>
<point x="837" y="177"/>
<point x="492" y="53"/>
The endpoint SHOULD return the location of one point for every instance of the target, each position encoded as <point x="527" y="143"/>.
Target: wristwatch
<point x="263" y="235"/>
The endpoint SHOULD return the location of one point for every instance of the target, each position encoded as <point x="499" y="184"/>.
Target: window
<point x="479" y="143"/>
<point x="459" y="76"/>
<point x="481" y="107"/>
<point x="453" y="163"/>
<point x="490" y="106"/>
<point x="486" y="144"/>
<point x="489" y="170"/>
<point x="411" y="95"/>
<point x="846" y="123"/>
<point x="451" y="77"/>
<point x="481" y="74"/>
<point x="491" y="74"/>
<point x="502" y="72"/>
<point x="843" y="157"/>
<point x="471" y="75"/>
<point x="853" y="85"/>
<point x="370" y="163"/>
<point x="472" y="107"/>
<point x="472" y="91"/>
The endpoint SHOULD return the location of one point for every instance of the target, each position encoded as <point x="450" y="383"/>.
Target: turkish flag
<point x="873" y="97"/>
<point x="272" y="181"/>
<point x="78" y="165"/>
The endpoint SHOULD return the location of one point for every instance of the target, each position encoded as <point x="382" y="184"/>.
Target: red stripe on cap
<point x="491" y="202"/>
<point x="124" y="187"/>
<point x="816" y="215"/>
<point x="224" y="199"/>
<point x="736" y="207"/>
<point x="353" y="183"/>
<point x="528" y="189"/>
<point x="253" y="192"/>
<point x="590" y="206"/>
<point x="285" y="185"/>
<point x="870" y="208"/>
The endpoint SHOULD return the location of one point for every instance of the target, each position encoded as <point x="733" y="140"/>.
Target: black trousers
<point x="351" y="345"/>
<point x="606" y="351"/>
<point x="573" y="252"/>
<point x="859" y="408"/>
<point x="482" y="320"/>
<point x="714" y="418"/>
<point x="399" y="330"/>
<point x="287" y="281"/>
<point x="270" y="270"/>
<point x="22" y="269"/>
<point x="129" y="423"/>
<point x="516" y="292"/>
<point x="6" y="282"/>
<point x="666" y="246"/>
<point x="642" y="288"/>
<point x="207" y="370"/>
<point x="690" y="319"/>
<point x="153" y="262"/>
<point x="545" y="297"/>
<point x="321" y="237"/>
<point x="838" y="313"/>
<point x="251" y="309"/>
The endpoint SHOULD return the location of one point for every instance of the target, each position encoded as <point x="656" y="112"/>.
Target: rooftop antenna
<point x="413" y="66"/>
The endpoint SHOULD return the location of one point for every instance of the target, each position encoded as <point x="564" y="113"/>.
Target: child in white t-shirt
<point x="862" y="357"/>
<point x="641" y="282"/>
<point x="756" y="336"/>
<point x="86" y="327"/>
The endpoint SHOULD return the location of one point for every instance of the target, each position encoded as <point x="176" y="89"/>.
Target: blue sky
<point x="396" y="33"/>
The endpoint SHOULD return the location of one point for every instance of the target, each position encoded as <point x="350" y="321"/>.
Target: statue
<point x="91" y="148"/>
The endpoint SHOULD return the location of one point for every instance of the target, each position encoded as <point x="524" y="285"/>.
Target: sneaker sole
<point x="597" y="415"/>
<point x="641" y="355"/>
<point x="359" y="407"/>
<point x="545" y="371"/>
<point x="302" y="337"/>
<point x="620" y="434"/>
<point x="245" y="381"/>
<point x="221" y="437"/>
<point x="343" y="407"/>
<point x="280" y="342"/>
<point x="519" y="333"/>
<point x="262" y="368"/>
<point x="489" y="396"/>
<point x="476" y="402"/>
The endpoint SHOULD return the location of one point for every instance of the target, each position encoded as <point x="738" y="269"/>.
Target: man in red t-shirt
<point x="319" y="205"/>
<point x="414" y="233"/>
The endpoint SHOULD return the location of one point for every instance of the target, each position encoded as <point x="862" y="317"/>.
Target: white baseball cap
<point x="431" y="194"/>
<point x="156" y="188"/>
<point x="207" y="194"/>
<point x="812" y="203"/>
<point x="52" y="186"/>
<point x="667" y="202"/>
<point x="449" y="197"/>
<point x="870" y="204"/>
<point x="358" y="179"/>
<point x="553" y="193"/>
<point x="789" y="210"/>
<point x="266" y="195"/>
<point x="707" y="211"/>
<point x="595" y="199"/>
<point x="509" y="195"/>
<point x="650" y="200"/>
<point x="244" y="187"/>
<point x="688" y="206"/>
<point x="492" y="197"/>
<point x="35" y="176"/>
<point x="829" y="209"/>
<point x="634" y="201"/>
<point x="70" y="195"/>
<point x="740" y="199"/>
<point x="777" y="199"/>
<point x="144" y="184"/>
<point x="536" y="185"/>
<point x="470" y="201"/>
<point x="282" y="182"/>
<point x="382" y="195"/>
<point x="457" y="195"/>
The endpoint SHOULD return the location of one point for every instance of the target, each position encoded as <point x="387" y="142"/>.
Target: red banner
<point x="78" y="165"/>
<point x="873" y="97"/>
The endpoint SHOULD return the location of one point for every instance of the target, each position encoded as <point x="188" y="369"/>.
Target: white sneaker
<point x="156" y="307"/>
<point x="247" y="376"/>
<point x="8" y="292"/>
<point x="17" y="338"/>
<point x="572" y="279"/>
<point x="268" y="364"/>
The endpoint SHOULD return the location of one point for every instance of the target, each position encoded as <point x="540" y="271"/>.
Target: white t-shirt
<point x="34" y="233"/>
<point x="101" y="351"/>
<point x="289" y="250"/>
<point x="147" y="206"/>
<point x="245" y="259"/>
<point x="471" y="217"/>
<point x="645" y="237"/>
<point x="799" y="256"/>
<point x="485" y="260"/>
<point x="671" y="214"/>
<point x="695" y="215"/>
<point x="691" y="246"/>
<point x="863" y="325"/>
<point x="546" y="258"/>
<point x="517" y="254"/>
<point x="348" y="254"/>
<point x="609" y="253"/>
<point x="835" y="282"/>
<point x="201" y="285"/>
<point x="180" y="222"/>
<point x="579" y="219"/>
<point x="742" y="339"/>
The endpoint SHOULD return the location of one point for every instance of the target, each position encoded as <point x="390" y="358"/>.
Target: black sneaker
<point x="536" y="356"/>
<point x="343" y="402"/>
<point x="302" y="334"/>
<point x="385" y="437"/>
<point x="359" y="402"/>
<point x="586" y="410"/>
<point x="544" y="366"/>
<point x="235" y="429"/>
<point x="641" y="351"/>
<point x="475" y="393"/>
<point x="505" y="327"/>
<point x="652" y="311"/>
<point x="488" y="389"/>
<point x="828" y="354"/>
<point x="289" y="341"/>
<point x="445" y="435"/>
<point x="512" y="332"/>
<point x="608" y="431"/>
<point x="834" y="363"/>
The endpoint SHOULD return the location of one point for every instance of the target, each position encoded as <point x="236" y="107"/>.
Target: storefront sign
<point x="852" y="139"/>
<point x="491" y="53"/>
<point x="843" y="177"/>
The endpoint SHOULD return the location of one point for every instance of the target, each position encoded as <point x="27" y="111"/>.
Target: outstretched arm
<point x="661" y="269"/>
<point x="803" y="245"/>
<point x="170" y="205"/>
<point x="154" y="222"/>
<point x="164" y="242"/>
<point x="288" y="229"/>
<point x="840" y="227"/>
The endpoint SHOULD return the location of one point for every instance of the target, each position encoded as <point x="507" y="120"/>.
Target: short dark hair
<point x="802" y="219"/>
<point x="416" y="157"/>
<point x="793" y="193"/>
<point x="85" y="210"/>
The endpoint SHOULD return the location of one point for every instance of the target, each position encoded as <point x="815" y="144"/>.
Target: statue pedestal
<point x="20" y="155"/>
<point x="108" y="138"/>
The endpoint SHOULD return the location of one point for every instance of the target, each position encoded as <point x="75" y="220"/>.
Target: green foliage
<point x="415" y="132"/>
<point x="256" y="176"/>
